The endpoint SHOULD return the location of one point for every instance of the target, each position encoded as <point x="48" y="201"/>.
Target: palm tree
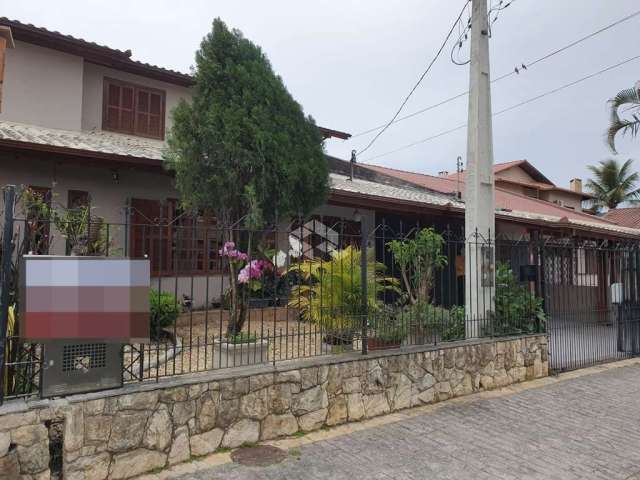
<point x="613" y="184"/>
<point x="629" y="96"/>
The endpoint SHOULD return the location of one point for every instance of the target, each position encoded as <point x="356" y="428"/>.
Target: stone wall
<point x="121" y="433"/>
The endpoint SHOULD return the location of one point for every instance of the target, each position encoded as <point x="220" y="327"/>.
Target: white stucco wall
<point x="92" y="92"/>
<point x="42" y="87"/>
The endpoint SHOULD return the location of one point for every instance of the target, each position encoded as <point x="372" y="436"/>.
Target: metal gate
<point x="592" y="302"/>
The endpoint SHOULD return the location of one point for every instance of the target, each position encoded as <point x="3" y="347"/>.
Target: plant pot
<point x="227" y="354"/>
<point x="259" y="302"/>
<point x="380" y="344"/>
<point x="338" y="342"/>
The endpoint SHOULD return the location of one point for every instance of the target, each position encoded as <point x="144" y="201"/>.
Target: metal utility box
<point x="102" y="299"/>
<point x="69" y="368"/>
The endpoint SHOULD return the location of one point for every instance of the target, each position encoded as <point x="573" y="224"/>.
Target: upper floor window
<point x="133" y="109"/>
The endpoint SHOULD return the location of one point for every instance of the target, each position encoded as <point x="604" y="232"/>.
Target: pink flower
<point x="253" y="270"/>
<point x="243" y="276"/>
<point x="228" y="249"/>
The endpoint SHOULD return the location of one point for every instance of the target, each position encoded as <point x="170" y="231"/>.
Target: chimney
<point x="576" y="185"/>
<point x="443" y="173"/>
<point x="6" y="41"/>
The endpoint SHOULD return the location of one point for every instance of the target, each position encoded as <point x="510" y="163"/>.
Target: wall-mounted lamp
<point x="357" y="216"/>
<point x="115" y="175"/>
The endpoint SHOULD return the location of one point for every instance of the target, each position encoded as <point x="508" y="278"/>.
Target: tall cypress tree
<point x="243" y="150"/>
<point x="243" y="147"/>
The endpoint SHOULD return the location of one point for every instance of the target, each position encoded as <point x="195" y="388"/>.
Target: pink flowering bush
<point x="253" y="271"/>
<point x="243" y="275"/>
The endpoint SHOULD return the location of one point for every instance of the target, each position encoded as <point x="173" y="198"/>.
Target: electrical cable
<point x="512" y="107"/>
<point x="506" y="75"/>
<point x="424" y="74"/>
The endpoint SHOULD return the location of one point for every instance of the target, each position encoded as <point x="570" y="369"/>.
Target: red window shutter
<point x="156" y="112"/>
<point x="112" y="115"/>
<point x="132" y="109"/>
<point x="127" y="109"/>
<point x="142" y="113"/>
<point x="119" y="107"/>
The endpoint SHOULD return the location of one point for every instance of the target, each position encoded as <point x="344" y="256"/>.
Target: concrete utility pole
<point x="479" y="183"/>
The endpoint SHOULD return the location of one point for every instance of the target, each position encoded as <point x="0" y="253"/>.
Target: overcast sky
<point x="351" y="62"/>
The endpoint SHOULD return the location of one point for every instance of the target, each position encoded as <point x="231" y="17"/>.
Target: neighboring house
<point x="523" y="178"/>
<point x="626" y="217"/>
<point x="513" y="207"/>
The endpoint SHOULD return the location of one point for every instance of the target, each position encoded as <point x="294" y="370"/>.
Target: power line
<point x="506" y="75"/>
<point x="512" y="107"/>
<point x="424" y="74"/>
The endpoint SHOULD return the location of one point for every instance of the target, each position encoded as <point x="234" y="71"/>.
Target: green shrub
<point x="447" y="324"/>
<point x="386" y="326"/>
<point x="517" y="310"/>
<point x="164" y="310"/>
<point x="330" y="290"/>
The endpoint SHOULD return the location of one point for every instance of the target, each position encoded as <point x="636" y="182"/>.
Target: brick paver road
<point x="581" y="428"/>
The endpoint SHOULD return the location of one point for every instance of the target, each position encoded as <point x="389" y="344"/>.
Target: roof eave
<point x="77" y="153"/>
<point x="93" y="53"/>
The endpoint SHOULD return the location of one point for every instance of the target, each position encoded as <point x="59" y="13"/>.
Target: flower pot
<point x="338" y="342"/>
<point x="227" y="354"/>
<point x="381" y="344"/>
<point x="259" y="302"/>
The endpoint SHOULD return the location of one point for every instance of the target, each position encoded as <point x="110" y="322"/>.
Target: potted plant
<point x="238" y="347"/>
<point x="330" y="295"/>
<point x="386" y="332"/>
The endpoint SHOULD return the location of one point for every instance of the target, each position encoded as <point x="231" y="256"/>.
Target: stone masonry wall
<point x="121" y="433"/>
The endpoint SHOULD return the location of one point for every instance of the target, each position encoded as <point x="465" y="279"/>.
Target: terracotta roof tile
<point x="627" y="217"/>
<point x="506" y="201"/>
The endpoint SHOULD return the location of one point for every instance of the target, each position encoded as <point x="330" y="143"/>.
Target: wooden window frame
<point x="178" y="252"/>
<point x="136" y="88"/>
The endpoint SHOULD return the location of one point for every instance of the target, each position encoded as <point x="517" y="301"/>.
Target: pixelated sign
<point x="100" y="298"/>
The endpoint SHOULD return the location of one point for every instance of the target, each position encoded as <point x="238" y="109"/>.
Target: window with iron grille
<point x="133" y="109"/>
<point x="176" y="243"/>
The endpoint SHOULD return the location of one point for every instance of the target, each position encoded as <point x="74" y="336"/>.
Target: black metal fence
<point x="225" y="296"/>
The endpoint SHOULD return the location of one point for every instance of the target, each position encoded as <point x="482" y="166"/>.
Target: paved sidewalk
<point x="582" y="427"/>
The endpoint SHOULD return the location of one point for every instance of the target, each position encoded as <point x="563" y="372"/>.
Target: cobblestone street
<point x="582" y="427"/>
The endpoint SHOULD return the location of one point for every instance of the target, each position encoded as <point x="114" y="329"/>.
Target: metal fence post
<point x="364" y="281"/>
<point x="5" y="277"/>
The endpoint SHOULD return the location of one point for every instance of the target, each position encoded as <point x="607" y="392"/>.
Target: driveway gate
<point x="591" y="293"/>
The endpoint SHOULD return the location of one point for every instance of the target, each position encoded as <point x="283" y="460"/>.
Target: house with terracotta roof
<point x="83" y="123"/>
<point x="625" y="216"/>
<point x="518" y="212"/>
<point x="521" y="177"/>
